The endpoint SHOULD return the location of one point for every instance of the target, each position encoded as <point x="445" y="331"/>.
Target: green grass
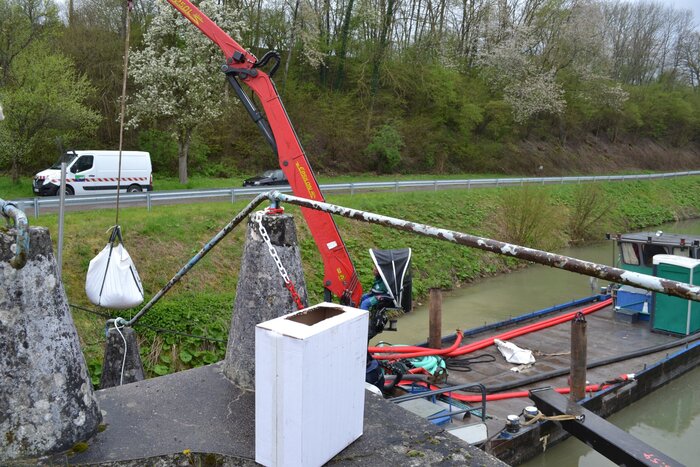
<point x="163" y="240"/>
<point x="9" y="190"/>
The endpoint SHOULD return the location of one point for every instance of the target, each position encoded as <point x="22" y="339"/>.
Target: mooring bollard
<point x="261" y="294"/>
<point x="435" y="319"/>
<point x="579" y="347"/>
<point x="46" y="396"/>
<point x="122" y="361"/>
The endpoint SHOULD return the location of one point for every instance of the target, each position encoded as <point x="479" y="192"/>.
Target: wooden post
<point x="435" y="325"/>
<point x="578" y="358"/>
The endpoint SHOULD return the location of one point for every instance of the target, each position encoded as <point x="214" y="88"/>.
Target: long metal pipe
<point x="10" y="210"/>
<point x="601" y="271"/>
<point x="61" y="218"/>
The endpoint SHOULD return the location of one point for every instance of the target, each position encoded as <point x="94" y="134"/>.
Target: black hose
<point x="408" y="377"/>
<point x="595" y="364"/>
<point x="272" y="54"/>
<point x="464" y="364"/>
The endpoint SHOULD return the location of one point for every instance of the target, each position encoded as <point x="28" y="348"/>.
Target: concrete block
<point x="112" y="374"/>
<point x="261" y="294"/>
<point x="47" y="403"/>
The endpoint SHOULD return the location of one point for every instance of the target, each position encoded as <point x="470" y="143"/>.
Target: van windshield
<point x="67" y="158"/>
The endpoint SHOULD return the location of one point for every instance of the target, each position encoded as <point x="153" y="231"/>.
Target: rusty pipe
<point x="587" y="268"/>
<point x="11" y="211"/>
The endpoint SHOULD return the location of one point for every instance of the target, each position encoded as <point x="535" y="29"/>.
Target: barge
<point x="637" y="341"/>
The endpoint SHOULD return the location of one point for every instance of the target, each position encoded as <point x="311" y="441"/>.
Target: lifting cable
<point x="540" y="417"/>
<point x="120" y="322"/>
<point x="122" y="112"/>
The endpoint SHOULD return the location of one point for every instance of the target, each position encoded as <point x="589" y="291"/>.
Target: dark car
<point x="269" y="177"/>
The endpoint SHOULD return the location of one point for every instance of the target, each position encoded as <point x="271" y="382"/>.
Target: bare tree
<point x="643" y="39"/>
<point x="690" y="59"/>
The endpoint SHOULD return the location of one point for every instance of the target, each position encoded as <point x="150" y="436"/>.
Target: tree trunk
<point x="325" y="33"/>
<point x="385" y="32"/>
<point x="384" y="35"/>
<point x="340" y="74"/>
<point x="15" y="171"/>
<point x="292" y="41"/>
<point x="183" y="149"/>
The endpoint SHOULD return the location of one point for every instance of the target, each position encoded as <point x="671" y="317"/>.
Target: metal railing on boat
<point x="446" y="391"/>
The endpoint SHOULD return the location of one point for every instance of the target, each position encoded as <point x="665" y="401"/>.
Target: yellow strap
<point x="554" y="418"/>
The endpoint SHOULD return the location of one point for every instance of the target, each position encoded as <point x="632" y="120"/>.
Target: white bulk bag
<point x="112" y="280"/>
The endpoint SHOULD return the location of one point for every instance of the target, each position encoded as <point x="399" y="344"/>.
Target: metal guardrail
<point x="150" y="199"/>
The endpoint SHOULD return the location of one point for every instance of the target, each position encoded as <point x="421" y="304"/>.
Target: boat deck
<point x="607" y="336"/>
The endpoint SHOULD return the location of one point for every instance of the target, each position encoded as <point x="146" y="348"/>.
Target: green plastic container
<point x="673" y="314"/>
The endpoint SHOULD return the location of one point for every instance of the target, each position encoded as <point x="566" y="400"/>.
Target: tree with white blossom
<point x="177" y="75"/>
<point x="527" y="88"/>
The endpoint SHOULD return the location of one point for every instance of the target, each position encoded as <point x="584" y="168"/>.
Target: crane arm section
<point x="340" y="277"/>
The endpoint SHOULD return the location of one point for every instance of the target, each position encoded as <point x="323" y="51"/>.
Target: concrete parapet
<point x="199" y="417"/>
<point x="46" y="399"/>
<point x="112" y="373"/>
<point x="261" y="294"/>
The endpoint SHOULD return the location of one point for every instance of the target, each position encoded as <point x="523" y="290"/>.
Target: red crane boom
<point x="340" y="277"/>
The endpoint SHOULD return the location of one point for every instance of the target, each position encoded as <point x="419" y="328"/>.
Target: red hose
<point x="506" y="395"/>
<point x="528" y="329"/>
<point x="413" y="352"/>
<point x="399" y="348"/>
<point x="425" y="351"/>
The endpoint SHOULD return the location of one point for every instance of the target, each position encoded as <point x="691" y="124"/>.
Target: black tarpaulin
<point x="394" y="269"/>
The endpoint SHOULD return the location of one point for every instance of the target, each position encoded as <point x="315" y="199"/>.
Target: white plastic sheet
<point x="514" y="354"/>
<point x="112" y="280"/>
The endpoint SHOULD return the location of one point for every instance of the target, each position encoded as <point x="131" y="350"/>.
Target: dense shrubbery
<point x="362" y="97"/>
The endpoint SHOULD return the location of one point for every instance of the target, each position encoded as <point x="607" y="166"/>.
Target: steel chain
<point x="257" y="217"/>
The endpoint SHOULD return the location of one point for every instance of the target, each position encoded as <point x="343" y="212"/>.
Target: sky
<point x="693" y="5"/>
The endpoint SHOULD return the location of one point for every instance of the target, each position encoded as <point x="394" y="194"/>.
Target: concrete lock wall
<point x="46" y="399"/>
<point x="261" y="294"/>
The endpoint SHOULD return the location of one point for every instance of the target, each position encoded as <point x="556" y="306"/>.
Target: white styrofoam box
<point x="309" y="384"/>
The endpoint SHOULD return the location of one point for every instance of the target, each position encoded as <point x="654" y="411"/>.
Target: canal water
<point x="668" y="419"/>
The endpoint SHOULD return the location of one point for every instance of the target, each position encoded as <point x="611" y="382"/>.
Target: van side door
<point x="83" y="174"/>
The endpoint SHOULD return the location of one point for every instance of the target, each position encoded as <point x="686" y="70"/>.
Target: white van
<point x="96" y="172"/>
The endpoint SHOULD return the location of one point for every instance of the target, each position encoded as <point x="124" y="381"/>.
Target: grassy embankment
<point x="162" y="240"/>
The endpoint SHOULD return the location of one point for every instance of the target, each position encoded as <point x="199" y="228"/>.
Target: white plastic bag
<point x="514" y="354"/>
<point x="112" y="280"/>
